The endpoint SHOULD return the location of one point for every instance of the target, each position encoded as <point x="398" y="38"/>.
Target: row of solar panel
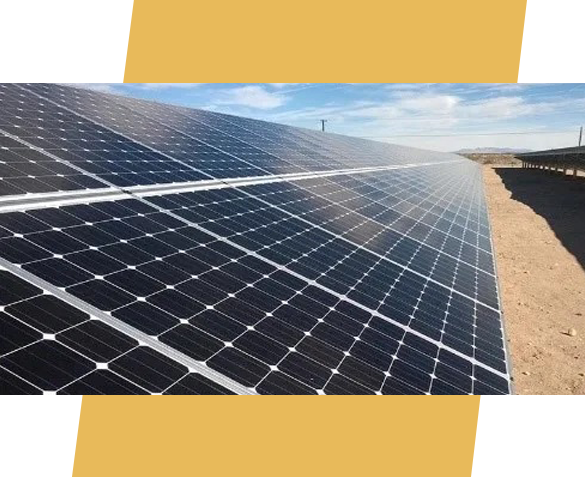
<point x="352" y="283"/>
<point x="337" y="309"/>
<point x="12" y="179"/>
<point x="128" y="142"/>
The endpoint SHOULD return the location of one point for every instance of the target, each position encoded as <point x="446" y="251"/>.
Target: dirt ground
<point x="538" y="225"/>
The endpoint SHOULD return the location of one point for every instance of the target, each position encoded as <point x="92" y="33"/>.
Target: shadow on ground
<point x="560" y="200"/>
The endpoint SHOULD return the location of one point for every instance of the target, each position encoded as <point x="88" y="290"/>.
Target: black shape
<point x="305" y="370"/>
<point x="15" y="334"/>
<point x="196" y="384"/>
<point x="371" y="355"/>
<point x="102" y="382"/>
<point x="362" y="373"/>
<point x="148" y="369"/>
<point x="411" y="375"/>
<point x="416" y="359"/>
<point x="279" y="384"/>
<point x="57" y="242"/>
<point x="19" y="250"/>
<point x="48" y="365"/>
<point x="218" y="325"/>
<point x="22" y="223"/>
<point x="393" y="386"/>
<point x="175" y="303"/>
<point x="58" y="272"/>
<point x="11" y="384"/>
<point x="261" y="347"/>
<point x="13" y="289"/>
<point x="136" y="283"/>
<point x="339" y="385"/>
<point x="101" y="294"/>
<point x="98" y="341"/>
<point x="295" y="317"/>
<point x="163" y="272"/>
<point x="441" y="387"/>
<point x="239" y="366"/>
<point x="146" y="317"/>
<point x="48" y="314"/>
<point x="280" y="331"/>
<point x="241" y="311"/>
<point x="491" y="379"/>
<point x="333" y="336"/>
<point x="320" y="351"/>
<point x="192" y="342"/>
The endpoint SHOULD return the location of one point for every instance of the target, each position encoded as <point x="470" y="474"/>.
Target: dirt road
<point x="538" y="224"/>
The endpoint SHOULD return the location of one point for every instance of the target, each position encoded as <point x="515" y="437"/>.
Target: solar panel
<point x="284" y="261"/>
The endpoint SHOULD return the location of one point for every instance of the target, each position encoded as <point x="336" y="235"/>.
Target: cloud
<point x="256" y="97"/>
<point x="283" y="85"/>
<point x="397" y="87"/>
<point x="430" y="115"/>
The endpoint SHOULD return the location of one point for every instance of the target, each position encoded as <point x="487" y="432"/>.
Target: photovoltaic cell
<point x="343" y="281"/>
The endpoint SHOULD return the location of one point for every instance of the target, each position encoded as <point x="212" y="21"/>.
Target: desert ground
<point x="538" y="226"/>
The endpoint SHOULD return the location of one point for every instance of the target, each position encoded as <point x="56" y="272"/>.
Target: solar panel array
<point x="150" y="248"/>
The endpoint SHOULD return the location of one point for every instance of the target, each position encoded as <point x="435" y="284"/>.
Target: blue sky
<point x="445" y="117"/>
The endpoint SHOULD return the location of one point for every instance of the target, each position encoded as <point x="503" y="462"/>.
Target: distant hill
<point x="492" y="158"/>
<point x="492" y="150"/>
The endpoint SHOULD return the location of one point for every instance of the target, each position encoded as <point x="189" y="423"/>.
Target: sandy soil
<point x="538" y="223"/>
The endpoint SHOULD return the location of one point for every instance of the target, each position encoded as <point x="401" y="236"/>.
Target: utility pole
<point x="580" y="136"/>
<point x="323" y="121"/>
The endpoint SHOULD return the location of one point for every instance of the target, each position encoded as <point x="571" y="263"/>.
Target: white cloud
<point x="431" y="115"/>
<point x="251" y="96"/>
<point x="283" y="85"/>
<point x="397" y="87"/>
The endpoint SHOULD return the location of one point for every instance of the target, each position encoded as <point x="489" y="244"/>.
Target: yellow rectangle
<point x="325" y="41"/>
<point x="276" y="436"/>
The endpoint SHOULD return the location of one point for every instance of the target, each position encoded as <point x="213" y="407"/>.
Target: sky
<point x="438" y="116"/>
